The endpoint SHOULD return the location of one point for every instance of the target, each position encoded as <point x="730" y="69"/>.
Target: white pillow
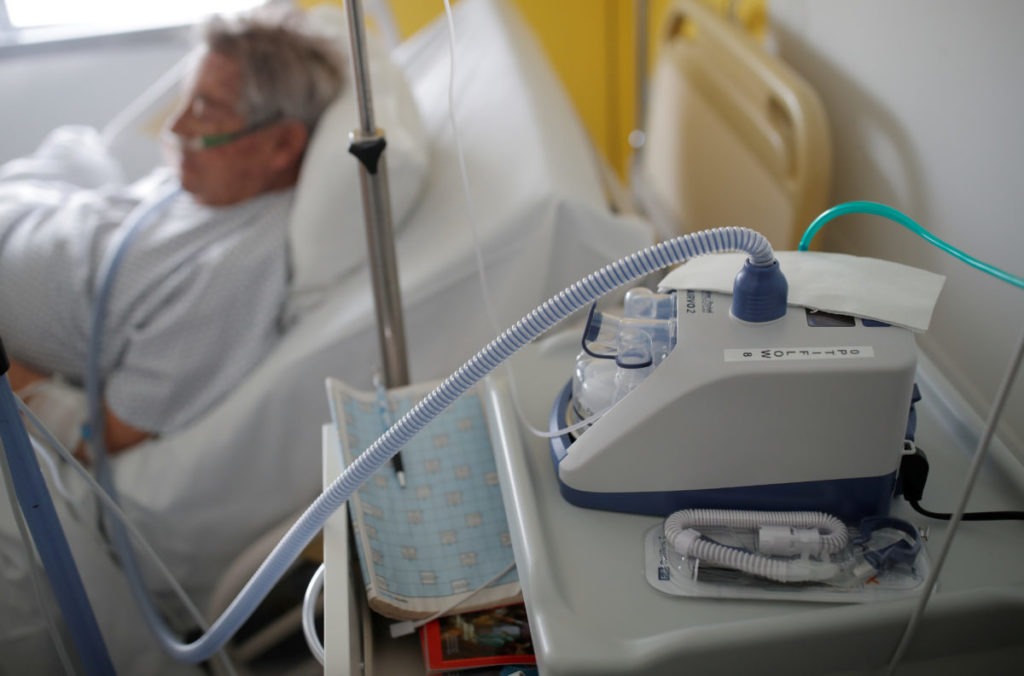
<point x="327" y="238"/>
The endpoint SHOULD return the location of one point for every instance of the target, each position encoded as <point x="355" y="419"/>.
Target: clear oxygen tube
<point x="94" y="435"/>
<point x="536" y="323"/>
<point x="896" y="216"/>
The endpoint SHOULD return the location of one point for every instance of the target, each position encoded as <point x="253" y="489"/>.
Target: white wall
<point x="926" y="99"/>
<point x="85" y="82"/>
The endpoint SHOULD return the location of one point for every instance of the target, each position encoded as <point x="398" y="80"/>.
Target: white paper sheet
<point x="853" y="285"/>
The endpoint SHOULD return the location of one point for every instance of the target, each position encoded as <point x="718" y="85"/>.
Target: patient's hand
<point x="22" y="376"/>
<point x="120" y="435"/>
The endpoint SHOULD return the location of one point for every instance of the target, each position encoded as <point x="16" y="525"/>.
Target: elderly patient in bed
<point x="199" y="292"/>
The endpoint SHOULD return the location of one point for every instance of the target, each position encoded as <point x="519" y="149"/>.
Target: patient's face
<point x="234" y="171"/>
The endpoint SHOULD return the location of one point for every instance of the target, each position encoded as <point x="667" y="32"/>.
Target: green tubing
<point x="877" y="209"/>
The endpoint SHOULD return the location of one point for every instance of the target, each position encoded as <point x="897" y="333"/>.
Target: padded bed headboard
<point x="734" y="135"/>
<point x="537" y="201"/>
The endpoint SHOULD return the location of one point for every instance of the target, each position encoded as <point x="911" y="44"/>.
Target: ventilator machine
<point x="719" y="404"/>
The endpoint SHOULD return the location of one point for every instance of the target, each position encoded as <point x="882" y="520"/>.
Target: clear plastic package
<point x="881" y="558"/>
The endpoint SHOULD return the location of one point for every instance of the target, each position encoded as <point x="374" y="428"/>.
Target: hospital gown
<point x="196" y="305"/>
<point x="198" y="295"/>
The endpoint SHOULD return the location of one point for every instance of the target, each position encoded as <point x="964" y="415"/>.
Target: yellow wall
<point x="590" y="43"/>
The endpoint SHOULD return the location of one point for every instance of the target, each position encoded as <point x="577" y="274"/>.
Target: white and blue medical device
<point x="804" y="411"/>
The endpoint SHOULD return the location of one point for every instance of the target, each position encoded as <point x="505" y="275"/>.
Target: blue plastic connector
<point x="759" y="293"/>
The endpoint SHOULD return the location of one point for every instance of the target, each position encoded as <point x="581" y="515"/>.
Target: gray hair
<point x="289" y="67"/>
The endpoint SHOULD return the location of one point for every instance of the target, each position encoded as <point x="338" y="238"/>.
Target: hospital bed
<point x="537" y="211"/>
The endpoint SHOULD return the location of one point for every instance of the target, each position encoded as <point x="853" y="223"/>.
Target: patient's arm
<point x="21" y="376"/>
<point x="120" y="435"/>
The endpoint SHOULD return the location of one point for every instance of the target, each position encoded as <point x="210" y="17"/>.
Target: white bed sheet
<point x="203" y="495"/>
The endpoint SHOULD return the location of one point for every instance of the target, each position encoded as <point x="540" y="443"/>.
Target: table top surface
<point x="593" y="611"/>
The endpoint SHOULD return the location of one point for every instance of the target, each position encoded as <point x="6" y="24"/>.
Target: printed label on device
<point x="800" y="353"/>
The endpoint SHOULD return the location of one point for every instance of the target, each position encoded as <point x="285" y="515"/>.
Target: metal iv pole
<point x="367" y="143"/>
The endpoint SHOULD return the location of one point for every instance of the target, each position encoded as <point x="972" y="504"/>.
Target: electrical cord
<point x="969" y="516"/>
<point x="972" y="474"/>
<point x="913" y="476"/>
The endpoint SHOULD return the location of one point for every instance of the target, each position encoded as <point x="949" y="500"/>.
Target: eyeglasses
<point x="208" y="141"/>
